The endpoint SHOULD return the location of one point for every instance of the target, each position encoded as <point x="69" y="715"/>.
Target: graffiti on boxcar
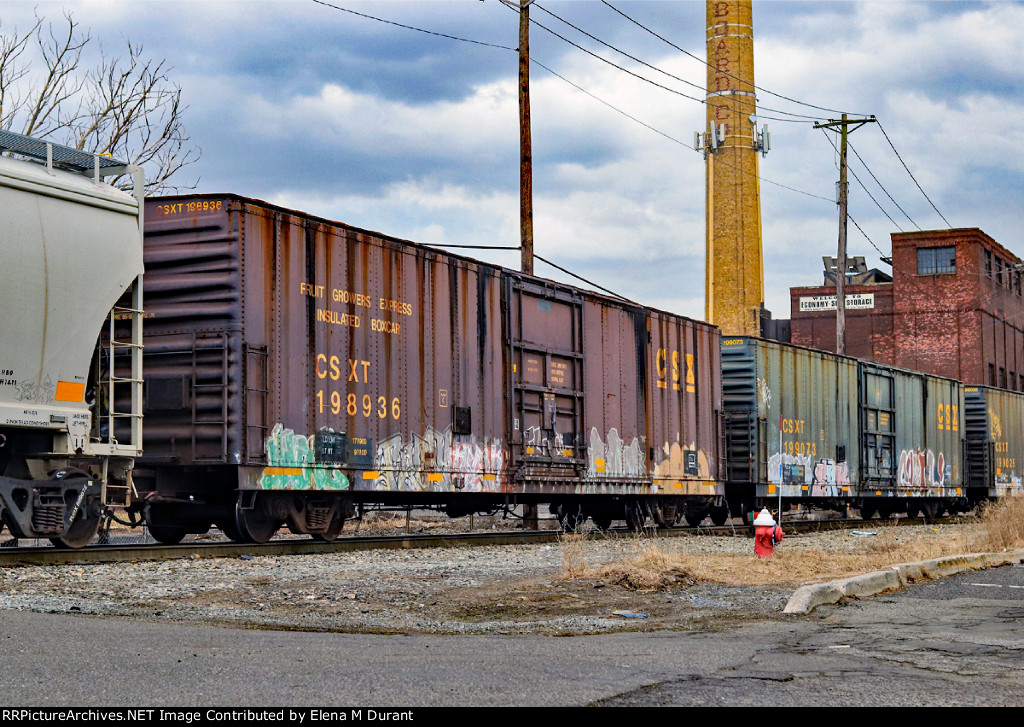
<point x="823" y="477"/>
<point x="679" y="462"/>
<point x="922" y="469"/>
<point x="829" y="478"/>
<point x="537" y="442"/>
<point x="432" y="461"/>
<point x="765" y="392"/>
<point x="291" y="464"/>
<point x="616" y="457"/>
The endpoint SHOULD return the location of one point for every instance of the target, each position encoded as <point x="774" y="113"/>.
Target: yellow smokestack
<point x="734" y="272"/>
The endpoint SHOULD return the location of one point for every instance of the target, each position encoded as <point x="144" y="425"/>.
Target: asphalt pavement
<point x="958" y="641"/>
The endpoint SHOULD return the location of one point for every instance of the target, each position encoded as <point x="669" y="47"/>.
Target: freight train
<point x="297" y="370"/>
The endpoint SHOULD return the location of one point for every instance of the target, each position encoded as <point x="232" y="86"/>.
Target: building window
<point x="999" y="270"/>
<point x="988" y="263"/>
<point x="936" y="260"/>
<point x="1013" y="381"/>
<point x="1002" y="378"/>
<point x="991" y="374"/>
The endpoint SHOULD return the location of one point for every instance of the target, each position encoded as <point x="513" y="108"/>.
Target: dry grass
<point x="652" y="565"/>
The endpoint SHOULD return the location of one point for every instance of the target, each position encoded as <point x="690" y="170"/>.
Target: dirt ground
<point x="574" y="586"/>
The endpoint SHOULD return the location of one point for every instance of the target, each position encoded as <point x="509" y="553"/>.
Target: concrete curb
<point x="806" y="598"/>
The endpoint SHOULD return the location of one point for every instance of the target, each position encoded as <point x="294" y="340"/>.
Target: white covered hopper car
<point x="72" y="267"/>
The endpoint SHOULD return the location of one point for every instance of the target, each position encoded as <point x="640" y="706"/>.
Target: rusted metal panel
<point x="615" y="398"/>
<point x="791" y="418"/>
<point x="911" y="428"/>
<point x="340" y="359"/>
<point x="683" y="392"/>
<point x="994" y="430"/>
<point x="545" y="338"/>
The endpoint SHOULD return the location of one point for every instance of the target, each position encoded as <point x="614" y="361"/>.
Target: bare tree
<point x="126" y="107"/>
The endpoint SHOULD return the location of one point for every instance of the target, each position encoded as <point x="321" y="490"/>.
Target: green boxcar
<point x="791" y="422"/>
<point x="911" y="428"/>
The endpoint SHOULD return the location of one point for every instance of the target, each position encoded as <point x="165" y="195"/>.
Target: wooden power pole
<point x="843" y="125"/>
<point x="525" y="142"/>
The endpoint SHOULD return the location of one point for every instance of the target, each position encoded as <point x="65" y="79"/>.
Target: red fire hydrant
<point x="767" y="534"/>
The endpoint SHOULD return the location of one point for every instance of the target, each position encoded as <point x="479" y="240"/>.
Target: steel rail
<point x="48" y="555"/>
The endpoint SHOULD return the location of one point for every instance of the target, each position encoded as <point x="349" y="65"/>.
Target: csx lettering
<point x="661" y="361"/>
<point x="793" y="426"/>
<point x="948" y="419"/>
<point x="332" y="367"/>
<point x="353" y="373"/>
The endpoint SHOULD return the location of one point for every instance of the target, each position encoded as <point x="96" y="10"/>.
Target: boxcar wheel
<point x="254" y="525"/>
<point x="333" y="530"/>
<point x="167" y="534"/>
<point x="719" y="516"/>
<point x="635" y="517"/>
<point x="867" y="511"/>
<point x="86" y="524"/>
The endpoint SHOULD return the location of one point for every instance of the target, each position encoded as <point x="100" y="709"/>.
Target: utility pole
<point x="843" y="124"/>
<point x="525" y="142"/>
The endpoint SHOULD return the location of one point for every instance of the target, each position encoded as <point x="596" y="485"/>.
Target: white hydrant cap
<point x="764" y="518"/>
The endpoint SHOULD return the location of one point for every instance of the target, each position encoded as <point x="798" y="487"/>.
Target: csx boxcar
<point x="994" y="424"/>
<point x="296" y="368"/>
<point x="831" y="430"/>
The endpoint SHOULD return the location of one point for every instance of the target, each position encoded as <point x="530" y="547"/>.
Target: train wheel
<point x="229" y="529"/>
<point x="867" y="511"/>
<point x="167" y="534"/>
<point x="695" y="517"/>
<point x="929" y="510"/>
<point x="719" y="515"/>
<point x="602" y="522"/>
<point x="333" y="530"/>
<point x="635" y="517"/>
<point x="254" y="525"/>
<point x="87" y="519"/>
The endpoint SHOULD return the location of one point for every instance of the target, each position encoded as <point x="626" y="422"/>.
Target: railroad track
<point x="136" y="552"/>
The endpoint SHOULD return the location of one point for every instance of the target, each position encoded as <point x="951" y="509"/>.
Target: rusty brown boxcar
<point x="298" y="368"/>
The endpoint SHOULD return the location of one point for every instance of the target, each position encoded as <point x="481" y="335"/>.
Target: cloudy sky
<point x="416" y="135"/>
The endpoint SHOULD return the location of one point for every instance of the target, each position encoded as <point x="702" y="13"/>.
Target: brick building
<point x="953" y="308"/>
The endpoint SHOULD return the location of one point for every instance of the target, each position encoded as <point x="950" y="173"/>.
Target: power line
<point x="588" y="282"/>
<point x="701" y="60"/>
<point x="648" y="65"/>
<point x="866" y="191"/>
<point x="880" y="128"/>
<point x="411" y="27"/>
<point x="861" y="160"/>
<point x="566" y="80"/>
